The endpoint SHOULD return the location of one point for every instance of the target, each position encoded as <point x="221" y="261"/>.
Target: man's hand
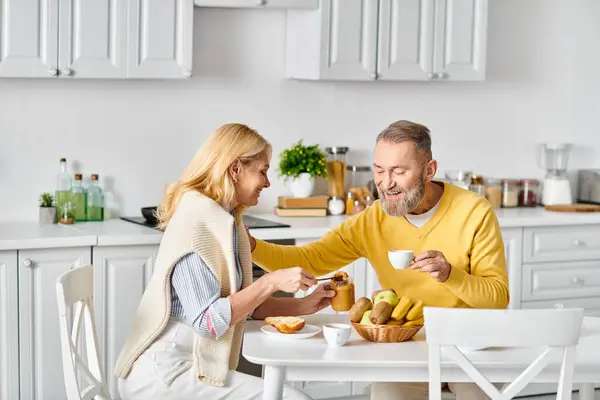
<point x="252" y="240"/>
<point x="434" y="263"/>
<point x="317" y="300"/>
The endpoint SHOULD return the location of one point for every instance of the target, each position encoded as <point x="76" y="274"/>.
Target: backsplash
<point x="138" y="135"/>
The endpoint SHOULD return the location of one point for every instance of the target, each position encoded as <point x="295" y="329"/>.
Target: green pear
<point x="388" y="296"/>
<point x="366" y="318"/>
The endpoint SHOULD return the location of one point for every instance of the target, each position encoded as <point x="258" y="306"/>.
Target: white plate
<point x="304" y="333"/>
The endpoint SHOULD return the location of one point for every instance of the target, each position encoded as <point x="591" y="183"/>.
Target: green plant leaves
<point x="299" y="159"/>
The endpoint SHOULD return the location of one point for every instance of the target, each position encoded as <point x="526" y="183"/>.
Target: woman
<point x="186" y="336"/>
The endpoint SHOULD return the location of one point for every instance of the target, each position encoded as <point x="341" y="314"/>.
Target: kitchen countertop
<point x="30" y="235"/>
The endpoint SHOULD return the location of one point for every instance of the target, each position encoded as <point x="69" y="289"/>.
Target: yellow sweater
<point x="464" y="228"/>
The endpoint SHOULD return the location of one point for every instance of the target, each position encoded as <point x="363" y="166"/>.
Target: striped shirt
<point x="196" y="295"/>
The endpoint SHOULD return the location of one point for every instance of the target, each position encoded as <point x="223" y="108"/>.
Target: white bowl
<point x="400" y="259"/>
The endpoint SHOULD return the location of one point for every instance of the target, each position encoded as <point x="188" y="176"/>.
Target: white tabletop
<point x="359" y="356"/>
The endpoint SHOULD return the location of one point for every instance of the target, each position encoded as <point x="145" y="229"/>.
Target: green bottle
<point x="63" y="187"/>
<point x="95" y="202"/>
<point x="79" y="198"/>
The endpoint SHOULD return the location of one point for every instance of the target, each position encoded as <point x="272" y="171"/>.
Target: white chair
<point x="74" y="290"/>
<point x="450" y="329"/>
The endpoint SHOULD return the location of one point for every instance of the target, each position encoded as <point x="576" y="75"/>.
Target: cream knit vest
<point x="198" y="225"/>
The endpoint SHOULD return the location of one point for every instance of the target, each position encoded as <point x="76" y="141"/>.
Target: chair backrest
<point x="553" y="329"/>
<point x="84" y="379"/>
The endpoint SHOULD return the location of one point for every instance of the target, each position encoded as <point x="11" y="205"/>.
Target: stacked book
<point x="302" y="206"/>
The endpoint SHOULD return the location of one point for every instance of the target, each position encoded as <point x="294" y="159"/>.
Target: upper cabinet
<point x="286" y="4"/>
<point x="92" y="40"/>
<point x="29" y="38"/>
<point x="388" y="40"/>
<point x="96" y="38"/>
<point x="160" y="38"/>
<point x="460" y="39"/>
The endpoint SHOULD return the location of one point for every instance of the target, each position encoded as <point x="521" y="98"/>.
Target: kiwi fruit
<point x="359" y="308"/>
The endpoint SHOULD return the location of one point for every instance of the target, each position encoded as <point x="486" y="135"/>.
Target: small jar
<point x="476" y="185"/>
<point x="529" y="193"/>
<point x="369" y="201"/>
<point x="510" y="193"/>
<point x="336" y="206"/>
<point x="344" y="295"/>
<point x="493" y="193"/>
<point x="67" y="214"/>
<point x="357" y="207"/>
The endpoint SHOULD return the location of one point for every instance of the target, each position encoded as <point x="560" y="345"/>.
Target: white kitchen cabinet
<point x="121" y="274"/>
<point x="388" y="40"/>
<point x="406" y="40"/>
<point x="513" y="251"/>
<point x="259" y="4"/>
<point x="460" y="39"/>
<point x="9" y="321"/>
<point x="116" y="39"/>
<point x="92" y="39"/>
<point x="160" y="38"/>
<point x="28" y="38"/>
<point x="41" y="373"/>
<point x="336" y="42"/>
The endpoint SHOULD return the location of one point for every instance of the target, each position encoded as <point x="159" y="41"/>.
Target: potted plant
<point x="300" y="165"/>
<point x="47" y="209"/>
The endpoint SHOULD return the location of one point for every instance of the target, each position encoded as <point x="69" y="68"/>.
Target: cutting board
<point x="574" y="208"/>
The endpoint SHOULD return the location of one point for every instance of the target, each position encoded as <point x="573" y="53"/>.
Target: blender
<point x="554" y="159"/>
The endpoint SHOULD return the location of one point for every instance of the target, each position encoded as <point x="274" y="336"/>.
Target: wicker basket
<point x="386" y="333"/>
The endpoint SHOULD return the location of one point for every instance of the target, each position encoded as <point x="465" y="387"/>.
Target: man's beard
<point x="410" y="200"/>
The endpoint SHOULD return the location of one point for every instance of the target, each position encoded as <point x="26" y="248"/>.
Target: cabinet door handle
<point x="430" y="76"/>
<point x="441" y="75"/>
<point x="558" y="305"/>
<point x="27" y="262"/>
<point x="577" y="280"/>
<point x="66" y="72"/>
<point x="53" y="72"/>
<point x="374" y="75"/>
<point x="261" y="2"/>
<point x="187" y="74"/>
<point x="578" y="243"/>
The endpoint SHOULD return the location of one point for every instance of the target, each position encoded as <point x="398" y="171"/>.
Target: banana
<point x="394" y="322"/>
<point x="402" y="308"/>
<point x="416" y="311"/>
<point x="418" y="321"/>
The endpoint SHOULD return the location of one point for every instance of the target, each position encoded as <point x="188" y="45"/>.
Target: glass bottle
<point x="336" y="170"/>
<point x="95" y="208"/>
<point x="63" y="186"/>
<point x="79" y="199"/>
<point x="349" y="203"/>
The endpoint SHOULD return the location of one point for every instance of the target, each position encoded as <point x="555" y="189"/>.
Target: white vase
<point x="303" y="185"/>
<point x="47" y="215"/>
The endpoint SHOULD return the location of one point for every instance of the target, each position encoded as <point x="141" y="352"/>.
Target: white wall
<point x="543" y="80"/>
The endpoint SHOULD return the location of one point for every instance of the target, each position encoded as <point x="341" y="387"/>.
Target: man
<point x="454" y="233"/>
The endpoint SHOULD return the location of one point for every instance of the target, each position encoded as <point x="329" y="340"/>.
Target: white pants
<point x="165" y="371"/>
<point x="420" y="391"/>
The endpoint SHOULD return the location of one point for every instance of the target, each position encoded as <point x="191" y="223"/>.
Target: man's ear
<point x="431" y="169"/>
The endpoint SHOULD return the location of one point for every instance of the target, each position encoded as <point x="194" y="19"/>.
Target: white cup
<point x="337" y="335"/>
<point x="400" y="259"/>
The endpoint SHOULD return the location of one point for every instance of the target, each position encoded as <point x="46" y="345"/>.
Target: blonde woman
<point x="186" y="337"/>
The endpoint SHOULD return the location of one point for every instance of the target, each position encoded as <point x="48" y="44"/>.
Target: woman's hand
<point x="291" y="280"/>
<point x="318" y="300"/>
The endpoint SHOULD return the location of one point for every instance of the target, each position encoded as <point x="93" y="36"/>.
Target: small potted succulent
<point x="47" y="209"/>
<point x="301" y="165"/>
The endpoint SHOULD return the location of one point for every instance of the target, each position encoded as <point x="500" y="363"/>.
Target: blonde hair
<point x="208" y="172"/>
